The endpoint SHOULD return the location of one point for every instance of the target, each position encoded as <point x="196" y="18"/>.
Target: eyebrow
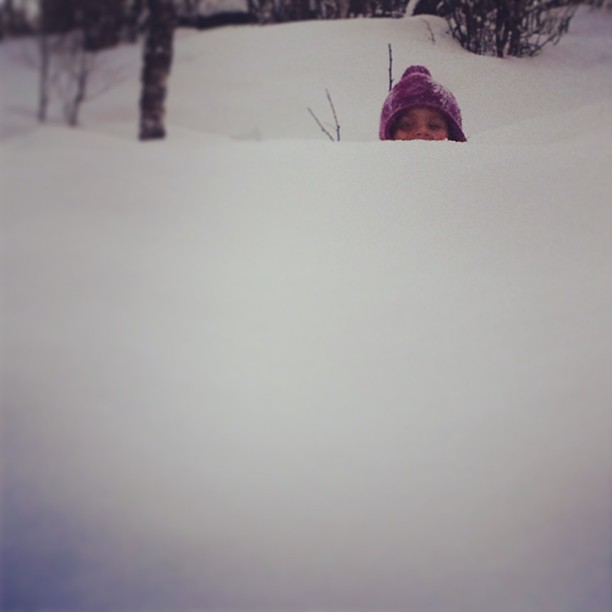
<point x="406" y="120"/>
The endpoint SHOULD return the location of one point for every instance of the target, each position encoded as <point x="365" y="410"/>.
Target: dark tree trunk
<point x="501" y="29"/>
<point x="157" y="62"/>
<point x="518" y="14"/>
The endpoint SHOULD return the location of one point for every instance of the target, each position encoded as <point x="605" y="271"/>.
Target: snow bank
<point x="299" y="375"/>
<point x="371" y="380"/>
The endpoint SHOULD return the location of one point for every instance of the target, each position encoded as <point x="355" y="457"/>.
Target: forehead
<point x="422" y="113"/>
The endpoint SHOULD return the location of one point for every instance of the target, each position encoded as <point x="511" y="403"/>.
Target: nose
<point x="423" y="133"/>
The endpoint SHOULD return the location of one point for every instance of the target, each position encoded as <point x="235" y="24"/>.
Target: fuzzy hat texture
<point x="415" y="89"/>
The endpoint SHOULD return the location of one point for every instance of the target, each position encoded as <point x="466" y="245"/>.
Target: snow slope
<point x="249" y="369"/>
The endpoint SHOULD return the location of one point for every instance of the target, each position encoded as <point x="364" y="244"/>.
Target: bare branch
<point x="431" y="34"/>
<point x="336" y="122"/>
<point x="334" y="114"/>
<point x="320" y="124"/>
<point x="390" y="66"/>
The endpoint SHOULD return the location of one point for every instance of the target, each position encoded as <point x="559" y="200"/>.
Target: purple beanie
<point x="415" y="89"/>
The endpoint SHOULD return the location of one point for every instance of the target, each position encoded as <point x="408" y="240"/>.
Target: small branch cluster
<point x="276" y="11"/>
<point x="75" y="65"/>
<point x="508" y="27"/>
<point x="432" y="36"/>
<point x="65" y="68"/>
<point x="69" y="37"/>
<point x="335" y="116"/>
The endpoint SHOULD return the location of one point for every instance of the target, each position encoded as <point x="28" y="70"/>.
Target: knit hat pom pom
<point x="416" y="70"/>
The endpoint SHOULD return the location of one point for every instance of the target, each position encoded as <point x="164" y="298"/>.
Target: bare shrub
<point x="507" y="27"/>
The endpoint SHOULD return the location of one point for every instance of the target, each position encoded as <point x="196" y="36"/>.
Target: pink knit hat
<point x="415" y="89"/>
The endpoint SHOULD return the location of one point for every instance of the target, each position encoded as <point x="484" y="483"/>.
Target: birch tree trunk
<point x="157" y="62"/>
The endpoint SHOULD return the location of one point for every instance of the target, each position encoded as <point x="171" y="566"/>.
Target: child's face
<point x="421" y="124"/>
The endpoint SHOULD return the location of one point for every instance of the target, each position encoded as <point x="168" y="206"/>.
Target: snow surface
<point x="250" y="369"/>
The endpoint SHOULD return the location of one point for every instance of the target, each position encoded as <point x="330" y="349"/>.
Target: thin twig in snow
<point x="337" y="124"/>
<point x="390" y="66"/>
<point x="320" y="124"/>
<point x="431" y="34"/>
<point x="334" y="114"/>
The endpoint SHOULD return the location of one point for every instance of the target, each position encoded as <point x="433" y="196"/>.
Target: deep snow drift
<point x="290" y="374"/>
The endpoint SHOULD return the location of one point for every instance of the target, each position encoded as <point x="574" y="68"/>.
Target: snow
<point x="210" y="7"/>
<point x="246" y="368"/>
